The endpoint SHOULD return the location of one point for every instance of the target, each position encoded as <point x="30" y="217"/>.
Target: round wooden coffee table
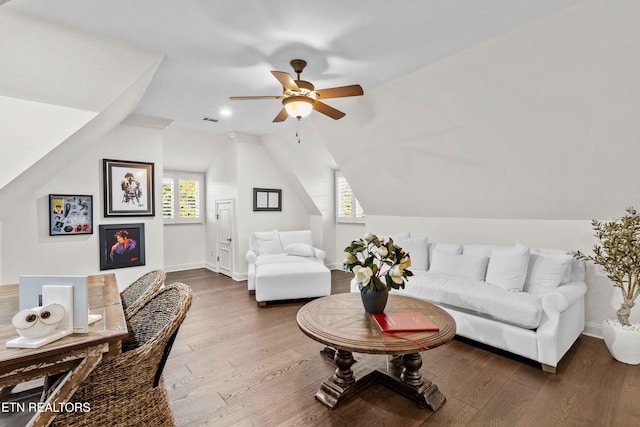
<point x="340" y="322"/>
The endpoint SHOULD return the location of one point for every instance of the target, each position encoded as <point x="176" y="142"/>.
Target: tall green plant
<point x="618" y="253"/>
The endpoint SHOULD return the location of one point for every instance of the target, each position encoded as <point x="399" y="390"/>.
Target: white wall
<point x="188" y="150"/>
<point x="540" y="123"/>
<point x="257" y="169"/>
<point x="310" y="164"/>
<point x="27" y="247"/>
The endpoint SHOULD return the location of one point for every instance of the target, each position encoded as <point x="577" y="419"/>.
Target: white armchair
<point x="285" y="265"/>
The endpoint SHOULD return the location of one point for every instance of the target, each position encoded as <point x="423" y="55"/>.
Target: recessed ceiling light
<point x="225" y="112"/>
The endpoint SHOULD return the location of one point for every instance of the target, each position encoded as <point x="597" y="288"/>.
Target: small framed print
<point x="121" y="245"/>
<point x="128" y="188"/>
<point x="70" y="214"/>
<point x="267" y="199"/>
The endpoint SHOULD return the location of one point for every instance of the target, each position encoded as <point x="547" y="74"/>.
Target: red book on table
<point x="404" y="322"/>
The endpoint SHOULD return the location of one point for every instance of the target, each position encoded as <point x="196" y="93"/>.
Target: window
<point x="182" y="197"/>
<point x="348" y="208"/>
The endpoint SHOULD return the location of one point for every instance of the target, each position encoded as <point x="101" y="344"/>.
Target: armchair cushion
<point x="299" y="236"/>
<point x="267" y="242"/>
<point x="299" y="249"/>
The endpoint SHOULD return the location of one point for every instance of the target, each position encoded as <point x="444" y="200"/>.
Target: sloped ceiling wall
<point x="541" y="123"/>
<point x="54" y="80"/>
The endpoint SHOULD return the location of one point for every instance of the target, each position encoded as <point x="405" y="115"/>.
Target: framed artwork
<point x="128" y="188"/>
<point x="70" y="214"/>
<point x="267" y="199"/>
<point x="121" y="245"/>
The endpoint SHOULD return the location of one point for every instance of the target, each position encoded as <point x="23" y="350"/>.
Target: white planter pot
<point x="622" y="341"/>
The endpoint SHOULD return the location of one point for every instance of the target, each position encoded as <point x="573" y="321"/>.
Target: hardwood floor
<point x="236" y="364"/>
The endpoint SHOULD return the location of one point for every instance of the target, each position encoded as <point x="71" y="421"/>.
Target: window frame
<point x="353" y="218"/>
<point x="176" y="176"/>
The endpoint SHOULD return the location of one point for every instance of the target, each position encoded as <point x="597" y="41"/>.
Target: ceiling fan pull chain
<point x="298" y="130"/>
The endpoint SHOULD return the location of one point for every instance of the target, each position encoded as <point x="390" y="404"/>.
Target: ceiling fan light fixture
<point x="298" y="106"/>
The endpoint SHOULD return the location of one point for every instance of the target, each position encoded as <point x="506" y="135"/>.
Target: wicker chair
<point x="139" y="292"/>
<point x="128" y="390"/>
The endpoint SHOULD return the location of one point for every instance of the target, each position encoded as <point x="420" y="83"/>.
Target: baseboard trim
<point x="182" y="267"/>
<point x="592" y="330"/>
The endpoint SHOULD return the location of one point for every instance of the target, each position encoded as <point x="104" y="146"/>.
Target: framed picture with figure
<point x="121" y="245"/>
<point x="128" y="188"/>
<point x="70" y="214"/>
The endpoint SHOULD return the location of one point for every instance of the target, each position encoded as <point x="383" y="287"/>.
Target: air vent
<point x="210" y="119"/>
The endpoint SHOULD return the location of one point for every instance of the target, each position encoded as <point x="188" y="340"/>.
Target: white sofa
<point x="527" y="301"/>
<point x="284" y="265"/>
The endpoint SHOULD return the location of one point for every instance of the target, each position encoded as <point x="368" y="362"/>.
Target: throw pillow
<point x="299" y="249"/>
<point x="298" y="236"/>
<point x="417" y="248"/>
<point x="546" y="272"/>
<point x="467" y="266"/>
<point x="268" y="242"/>
<point x="508" y="267"/>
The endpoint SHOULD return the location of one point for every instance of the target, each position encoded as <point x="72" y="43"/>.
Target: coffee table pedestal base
<point x="404" y="378"/>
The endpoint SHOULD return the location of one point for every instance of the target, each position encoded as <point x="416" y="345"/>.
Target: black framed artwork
<point x="267" y="199"/>
<point x="128" y="188"/>
<point x="121" y="245"/>
<point x="70" y="214"/>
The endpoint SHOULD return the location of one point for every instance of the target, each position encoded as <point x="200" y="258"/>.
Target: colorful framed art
<point x="70" y="214"/>
<point x="121" y="245"/>
<point x="128" y="188"/>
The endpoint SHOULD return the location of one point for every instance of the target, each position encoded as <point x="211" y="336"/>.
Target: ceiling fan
<point x="299" y="97"/>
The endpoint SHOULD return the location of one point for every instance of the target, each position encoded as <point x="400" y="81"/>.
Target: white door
<point x="224" y="227"/>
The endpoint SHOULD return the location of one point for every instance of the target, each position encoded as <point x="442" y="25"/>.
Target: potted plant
<point x="618" y="253"/>
<point x="379" y="266"/>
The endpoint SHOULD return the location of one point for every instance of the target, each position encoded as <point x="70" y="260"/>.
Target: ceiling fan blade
<point x="340" y="92"/>
<point x="282" y="116"/>
<point x="327" y="110"/>
<point x="244" y="98"/>
<point x="286" y="80"/>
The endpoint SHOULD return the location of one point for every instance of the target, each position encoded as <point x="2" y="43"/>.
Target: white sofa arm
<point x="251" y="257"/>
<point x="563" y="297"/>
<point x="319" y="254"/>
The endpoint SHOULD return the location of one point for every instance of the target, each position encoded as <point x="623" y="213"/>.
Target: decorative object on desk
<point x="372" y="260"/>
<point x="42" y="325"/>
<point x="41" y="290"/>
<point x="618" y="253"/>
<point x="37" y="322"/>
<point x="70" y="214"/>
<point x="128" y="188"/>
<point x="267" y="199"/>
<point x="121" y="245"/>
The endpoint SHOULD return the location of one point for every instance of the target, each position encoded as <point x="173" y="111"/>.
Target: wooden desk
<point x="77" y="354"/>
<point x="340" y="321"/>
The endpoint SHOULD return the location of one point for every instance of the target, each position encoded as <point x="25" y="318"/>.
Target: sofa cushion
<point x="473" y="296"/>
<point x="467" y="266"/>
<point x="508" y="267"/>
<point x="297" y="236"/>
<point x="546" y="272"/>
<point x="281" y="259"/>
<point x="417" y="247"/>
<point x="299" y="249"/>
<point x="267" y="242"/>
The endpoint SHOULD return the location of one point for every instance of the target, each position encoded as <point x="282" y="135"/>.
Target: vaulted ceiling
<point x="216" y="49"/>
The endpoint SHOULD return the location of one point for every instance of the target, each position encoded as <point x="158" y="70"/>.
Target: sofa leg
<point x="548" y="369"/>
<point x="262" y="303"/>
<point x="252" y="291"/>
